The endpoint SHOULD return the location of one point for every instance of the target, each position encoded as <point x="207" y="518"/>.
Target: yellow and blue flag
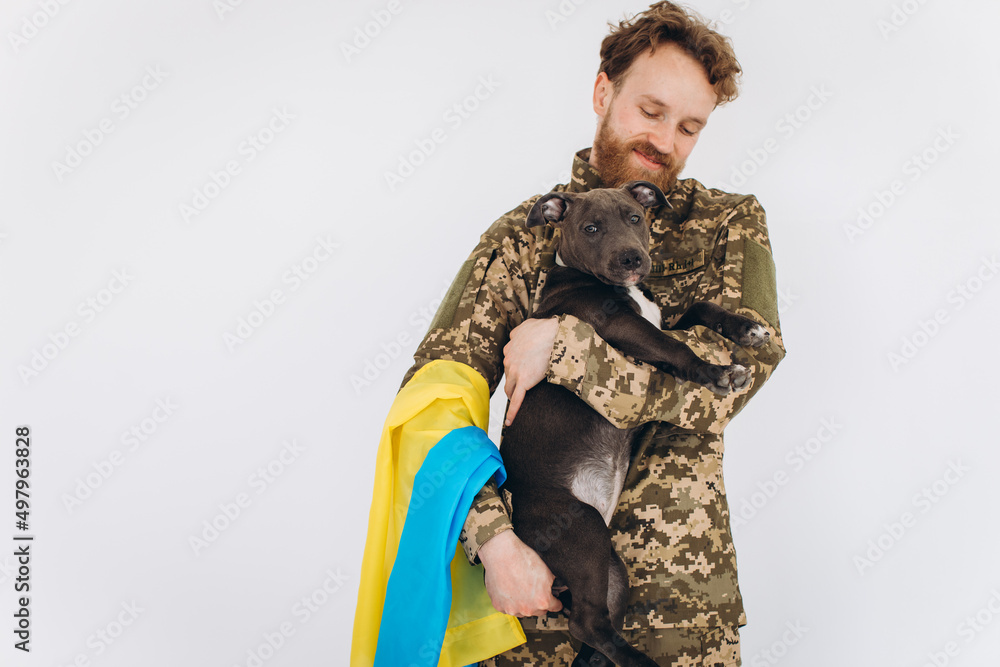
<point x="433" y="457"/>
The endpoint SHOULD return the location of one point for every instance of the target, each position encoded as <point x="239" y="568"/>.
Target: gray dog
<point x="566" y="463"/>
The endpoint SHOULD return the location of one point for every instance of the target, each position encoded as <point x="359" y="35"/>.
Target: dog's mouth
<point x="634" y="278"/>
<point x="624" y="277"/>
<point x="620" y="269"/>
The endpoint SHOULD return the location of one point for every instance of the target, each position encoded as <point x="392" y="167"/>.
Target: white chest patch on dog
<point x="598" y="479"/>
<point x="648" y="309"/>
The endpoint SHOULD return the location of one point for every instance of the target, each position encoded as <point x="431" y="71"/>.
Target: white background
<point x="828" y="548"/>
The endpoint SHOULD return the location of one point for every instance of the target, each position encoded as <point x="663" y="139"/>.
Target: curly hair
<point x="666" y="22"/>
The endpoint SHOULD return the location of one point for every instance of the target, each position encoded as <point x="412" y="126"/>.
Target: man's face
<point x="650" y="125"/>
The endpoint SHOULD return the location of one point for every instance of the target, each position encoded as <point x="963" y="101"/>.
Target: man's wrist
<point x="487" y="517"/>
<point x="495" y="547"/>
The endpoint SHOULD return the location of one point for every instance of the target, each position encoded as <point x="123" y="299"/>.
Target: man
<point x="661" y="76"/>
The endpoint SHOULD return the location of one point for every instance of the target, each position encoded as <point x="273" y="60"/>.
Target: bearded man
<point x="662" y="74"/>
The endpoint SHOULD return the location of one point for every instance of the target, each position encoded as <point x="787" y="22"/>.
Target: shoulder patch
<point x="759" y="284"/>
<point x="449" y="305"/>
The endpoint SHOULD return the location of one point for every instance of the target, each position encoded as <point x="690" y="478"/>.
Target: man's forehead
<point x="669" y="75"/>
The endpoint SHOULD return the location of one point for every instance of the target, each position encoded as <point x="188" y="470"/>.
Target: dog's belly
<point x="560" y="444"/>
<point x="598" y="478"/>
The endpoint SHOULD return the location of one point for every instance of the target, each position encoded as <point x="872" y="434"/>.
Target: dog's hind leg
<point x="604" y="646"/>
<point x="583" y="556"/>
<point x="617" y="601"/>
<point x="617" y="591"/>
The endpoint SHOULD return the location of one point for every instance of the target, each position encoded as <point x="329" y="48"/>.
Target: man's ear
<point x="646" y="194"/>
<point x="549" y="208"/>
<point x="603" y="92"/>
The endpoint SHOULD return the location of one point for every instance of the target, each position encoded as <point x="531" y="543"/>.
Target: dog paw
<point x="747" y="333"/>
<point x="724" y="379"/>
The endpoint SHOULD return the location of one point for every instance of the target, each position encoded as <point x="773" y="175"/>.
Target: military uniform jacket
<point x="671" y="526"/>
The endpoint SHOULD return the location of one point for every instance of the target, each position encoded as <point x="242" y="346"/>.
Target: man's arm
<point x="630" y="393"/>
<point x="488" y="298"/>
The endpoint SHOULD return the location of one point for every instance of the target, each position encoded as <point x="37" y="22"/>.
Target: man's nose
<point x="663" y="138"/>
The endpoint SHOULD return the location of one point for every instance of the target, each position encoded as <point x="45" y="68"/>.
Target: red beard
<point x="616" y="164"/>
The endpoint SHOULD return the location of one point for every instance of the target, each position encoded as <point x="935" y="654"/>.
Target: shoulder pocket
<point x="759" y="284"/>
<point x="466" y="285"/>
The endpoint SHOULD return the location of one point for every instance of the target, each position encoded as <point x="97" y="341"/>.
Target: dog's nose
<point x="630" y="259"/>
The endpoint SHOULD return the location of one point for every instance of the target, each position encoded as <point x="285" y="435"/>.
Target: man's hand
<point x="526" y="358"/>
<point x="517" y="579"/>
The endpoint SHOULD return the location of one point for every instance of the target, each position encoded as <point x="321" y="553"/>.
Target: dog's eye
<point x="634" y="219"/>
<point x="590" y="229"/>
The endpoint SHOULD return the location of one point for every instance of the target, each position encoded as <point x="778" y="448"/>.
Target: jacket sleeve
<point x="630" y="393"/>
<point x="489" y="297"/>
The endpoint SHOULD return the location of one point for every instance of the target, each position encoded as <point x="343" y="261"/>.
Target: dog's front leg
<point x="737" y="328"/>
<point x="640" y="339"/>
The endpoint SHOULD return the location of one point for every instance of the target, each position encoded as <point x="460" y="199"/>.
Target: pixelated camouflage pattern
<point x="630" y="393"/>
<point x="672" y="524"/>
<point x="491" y="516"/>
<point x="670" y="647"/>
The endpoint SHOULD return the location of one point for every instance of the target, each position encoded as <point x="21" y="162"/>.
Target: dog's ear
<point x="549" y="208"/>
<point x="646" y="194"/>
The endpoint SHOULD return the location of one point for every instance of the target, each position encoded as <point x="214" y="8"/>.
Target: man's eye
<point x="590" y="229"/>
<point x="634" y="218"/>
<point x="689" y="132"/>
<point x="646" y="113"/>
